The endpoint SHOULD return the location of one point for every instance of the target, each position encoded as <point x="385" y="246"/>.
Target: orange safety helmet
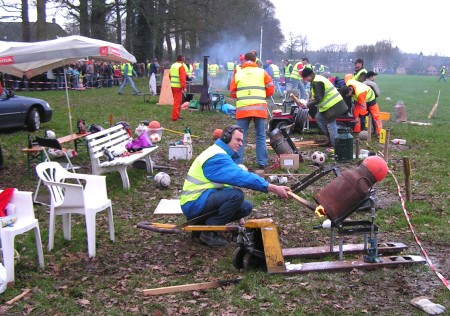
<point x="347" y="77"/>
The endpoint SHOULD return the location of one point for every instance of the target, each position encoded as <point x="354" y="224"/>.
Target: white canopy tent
<point x="31" y="59"/>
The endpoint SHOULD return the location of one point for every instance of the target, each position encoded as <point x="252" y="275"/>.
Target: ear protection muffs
<point x="227" y="133"/>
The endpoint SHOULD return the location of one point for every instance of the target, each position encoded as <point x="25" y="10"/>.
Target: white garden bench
<point x="109" y="139"/>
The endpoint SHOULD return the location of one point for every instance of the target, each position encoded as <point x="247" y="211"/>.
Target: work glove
<point x="427" y="306"/>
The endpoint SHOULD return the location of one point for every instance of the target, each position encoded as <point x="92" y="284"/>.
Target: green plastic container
<point x="344" y="145"/>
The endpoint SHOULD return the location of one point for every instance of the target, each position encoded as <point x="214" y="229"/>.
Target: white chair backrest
<point x="23" y="202"/>
<point x="53" y="172"/>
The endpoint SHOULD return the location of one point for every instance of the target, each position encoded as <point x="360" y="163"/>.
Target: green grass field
<point x="112" y="283"/>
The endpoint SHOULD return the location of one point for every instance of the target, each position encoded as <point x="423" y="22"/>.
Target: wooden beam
<point x="190" y="287"/>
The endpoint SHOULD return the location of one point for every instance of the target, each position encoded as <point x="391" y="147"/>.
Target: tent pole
<point x="67" y="99"/>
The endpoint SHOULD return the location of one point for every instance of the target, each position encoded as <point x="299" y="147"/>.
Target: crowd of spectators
<point x="83" y="74"/>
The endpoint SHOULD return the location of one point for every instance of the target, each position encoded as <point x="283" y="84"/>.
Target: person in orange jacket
<point x="250" y="86"/>
<point x="365" y="101"/>
<point x="177" y="75"/>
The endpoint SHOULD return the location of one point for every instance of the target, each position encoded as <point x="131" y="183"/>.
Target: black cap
<point x="304" y="58"/>
<point x="371" y="73"/>
<point x="306" y="72"/>
<point x="359" y="60"/>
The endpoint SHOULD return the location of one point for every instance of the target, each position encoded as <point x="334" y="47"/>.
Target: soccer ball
<point x="155" y="138"/>
<point x="363" y="135"/>
<point x="318" y="157"/>
<point x="162" y="180"/>
<point x="50" y="134"/>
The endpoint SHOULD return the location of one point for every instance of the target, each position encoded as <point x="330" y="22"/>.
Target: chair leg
<point x="91" y="233"/>
<point x="125" y="179"/>
<point x="66" y="219"/>
<point x="8" y="256"/>
<point x="111" y="224"/>
<point x="51" y="230"/>
<point x="40" y="252"/>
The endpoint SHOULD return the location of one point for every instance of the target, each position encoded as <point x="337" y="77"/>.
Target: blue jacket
<point x="222" y="169"/>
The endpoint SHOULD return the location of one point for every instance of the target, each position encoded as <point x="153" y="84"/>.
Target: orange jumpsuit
<point x="177" y="93"/>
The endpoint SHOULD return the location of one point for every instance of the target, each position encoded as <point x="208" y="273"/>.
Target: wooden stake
<point x="18" y="297"/>
<point x="386" y="145"/>
<point x="407" y="171"/>
<point x="111" y="120"/>
<point x="433" y="110"/>
<point x="189" y="287"/>
<point x="369" y="128"/>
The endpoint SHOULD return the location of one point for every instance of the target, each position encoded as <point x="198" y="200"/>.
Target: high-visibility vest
<point x="212" y="69"/>
<point x="331" y="95"/>
<point x="357" y="74"/>
<point x="238" y="67"/>
<point x="294" y="74"/>
<point x="175" y="75"/>
<point x="251" y="93"/>
<point x="230" y="66"/>
<point x="321" y="68"/>
<point x="195" y="182"/>
<point x="287" y="71"/>
<point x="359" y="88"/>
<point x="188" y="68"/>
<point x="197" y="65"/>
<point x="276" y="70"/>
<point x="130" y="69"/>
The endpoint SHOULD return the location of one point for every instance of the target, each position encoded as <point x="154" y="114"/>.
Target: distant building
<point x="12" y="31"/>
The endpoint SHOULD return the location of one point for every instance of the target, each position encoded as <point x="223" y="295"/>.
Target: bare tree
<point x="26" y="36"/>
<point x="41" y="23"/>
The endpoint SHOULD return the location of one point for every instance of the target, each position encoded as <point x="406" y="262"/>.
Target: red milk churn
<point x="343" y="195"/>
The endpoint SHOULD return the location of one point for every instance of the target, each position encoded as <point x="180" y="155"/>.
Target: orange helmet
<point x="347" y="77"/>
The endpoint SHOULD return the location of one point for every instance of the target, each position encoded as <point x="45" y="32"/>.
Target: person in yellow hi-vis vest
<point x="214" y="183"/>
<point x="213" y="71"/>
<point x="127" y="72"/>
<point x="177" y="76"/>
<point x="250" y="87"/>
<point x="326" y="102"/>
<point x="365" y="101"/>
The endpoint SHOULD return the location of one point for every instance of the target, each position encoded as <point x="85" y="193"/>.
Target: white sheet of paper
<point x="168" y="207"/>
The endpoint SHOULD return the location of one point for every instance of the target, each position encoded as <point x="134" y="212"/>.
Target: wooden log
<point x="190" y="287"/>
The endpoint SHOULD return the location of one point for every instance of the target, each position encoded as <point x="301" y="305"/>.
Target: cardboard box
<point x="180" y="152"/>
<point x="289" y="161"/>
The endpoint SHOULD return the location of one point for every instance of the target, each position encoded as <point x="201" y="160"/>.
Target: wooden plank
<point x="190" y="287"/>
<point x="334" y="266"/>
<point x="323" y="251"/>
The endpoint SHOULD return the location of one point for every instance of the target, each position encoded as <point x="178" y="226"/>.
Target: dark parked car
<point x="17" y="111"/>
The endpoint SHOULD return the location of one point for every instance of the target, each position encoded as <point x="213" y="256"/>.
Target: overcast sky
<point x="412" y="26"/>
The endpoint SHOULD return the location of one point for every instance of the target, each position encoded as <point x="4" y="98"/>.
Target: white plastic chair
<point x="52" y="143"/>
<point x="25" y="221"/>
<point x="68" y="198"/>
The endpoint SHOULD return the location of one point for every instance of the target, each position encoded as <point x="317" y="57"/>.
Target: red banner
<point x="7" y="60"/>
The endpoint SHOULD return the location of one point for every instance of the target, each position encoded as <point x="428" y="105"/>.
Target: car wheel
<point x="33" y="120"/>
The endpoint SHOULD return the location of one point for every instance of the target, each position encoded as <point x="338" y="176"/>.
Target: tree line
<point x="220" y="29"/>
